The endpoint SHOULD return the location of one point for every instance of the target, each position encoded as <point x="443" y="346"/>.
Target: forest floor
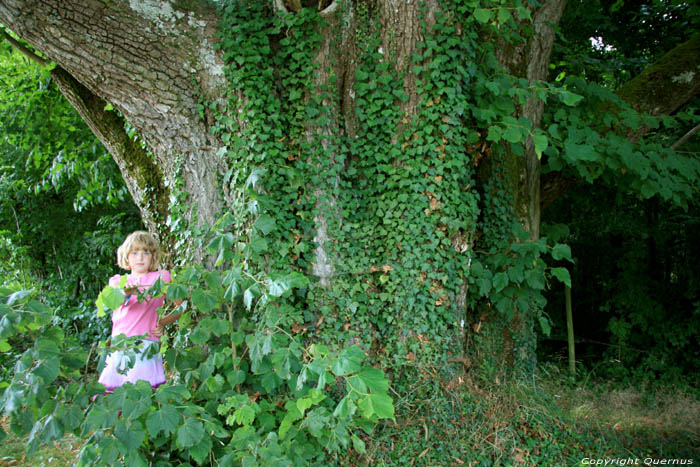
<point x="555" y="423"/>
<point x="12" y="450"/>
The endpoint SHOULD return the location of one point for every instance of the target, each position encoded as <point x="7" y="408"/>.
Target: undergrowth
<point x="548" y="421"/>
<point x="551" y="420"/>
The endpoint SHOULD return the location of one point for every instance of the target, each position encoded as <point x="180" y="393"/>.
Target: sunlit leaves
<point x="110" y="298"/>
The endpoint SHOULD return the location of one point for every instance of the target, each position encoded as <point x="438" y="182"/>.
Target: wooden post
<point x="570" y="331"/>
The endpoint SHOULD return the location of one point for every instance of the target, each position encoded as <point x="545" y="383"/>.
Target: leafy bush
<point x="245" y="388"/>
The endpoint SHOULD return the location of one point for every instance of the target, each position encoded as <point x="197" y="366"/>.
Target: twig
<point x="24" y="50"/>
<point x="685" y="137"/>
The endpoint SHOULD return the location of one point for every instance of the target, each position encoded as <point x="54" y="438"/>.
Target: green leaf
<point x="494" y="133"/>
<point x="562" y="274"/>
<point x="131" y="434"/>
<point x="177" y="393"/>
<point x="345" y="408"/>
<point x="221" y="242"/>
<point x="48" y="370"/>
<point x="380" y="404"/>
<point x="561" y="251"/>
<point x="110" y="298"/>
<point x="374" y="379"/>
<point x="580" y="152"/>
<point x="504" y="15"/>
<point x="349" y="361"/>
<point x="245" y="415"/>
<point x="544" y="324"/>
<point x="17" y="297"/>
<point x="176" y="292"/>
<point x="190" y="433"/>
<point x="500" y="281"/>
<point x="358" y="445"/>
<point x="249" y="295"/>
<point x="204" y="300"/>
<point x="541" y="143"/>
<point x="264" y="224"/>
<point x="166" y="419"/>
<point x="513" y="134"/>
<point x="483" y="15"/>
<point x="569" y="98"/>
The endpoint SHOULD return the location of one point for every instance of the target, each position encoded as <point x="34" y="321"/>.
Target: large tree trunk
<point x="389" y="198"/>
<point x="155" y="63"/>
<point x="144" y="59"/>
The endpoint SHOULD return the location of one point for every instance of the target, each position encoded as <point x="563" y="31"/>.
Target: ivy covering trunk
<point x="390" y="152"/>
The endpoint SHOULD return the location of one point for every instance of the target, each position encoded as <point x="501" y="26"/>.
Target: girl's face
<point x="139" y="261"/>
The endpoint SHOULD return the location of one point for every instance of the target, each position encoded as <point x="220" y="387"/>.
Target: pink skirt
<point x="115" y="373"/>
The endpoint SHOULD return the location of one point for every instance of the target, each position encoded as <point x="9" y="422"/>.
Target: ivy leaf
<point x="190" y="433"/>
<point x="483" y="15"/>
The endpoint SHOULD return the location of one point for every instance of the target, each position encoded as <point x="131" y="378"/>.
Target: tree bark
<point x="144" y="58"/>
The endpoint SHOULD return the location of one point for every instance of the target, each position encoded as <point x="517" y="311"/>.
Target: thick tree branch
<point x="139" y="170"/>
<point x="662" y="88"/>
<point x="667" y="84"/>
<point x="144" y="61"/>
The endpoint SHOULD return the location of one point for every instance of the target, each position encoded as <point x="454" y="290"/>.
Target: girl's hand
<point x="131" y="290"/>
<point x="157" y="331"/>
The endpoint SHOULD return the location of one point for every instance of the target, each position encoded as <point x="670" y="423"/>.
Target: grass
<point x="12" y="451"/>
<point x="547" y="422"/>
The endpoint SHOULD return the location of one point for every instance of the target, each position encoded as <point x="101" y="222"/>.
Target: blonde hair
<point x="139" y="240"/>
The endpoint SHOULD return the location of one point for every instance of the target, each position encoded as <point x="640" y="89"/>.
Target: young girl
<point x="139" y="254"/>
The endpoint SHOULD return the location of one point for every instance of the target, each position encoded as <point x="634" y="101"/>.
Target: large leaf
<point x="379" y="404"/>
<point x="374" y="379"/>
<point x="166" y="419"/>
<point x="204" y="300"/>
<point x="131" y="434"/>
<point x="349" y="361"/>
<point x="190" y="433"/>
